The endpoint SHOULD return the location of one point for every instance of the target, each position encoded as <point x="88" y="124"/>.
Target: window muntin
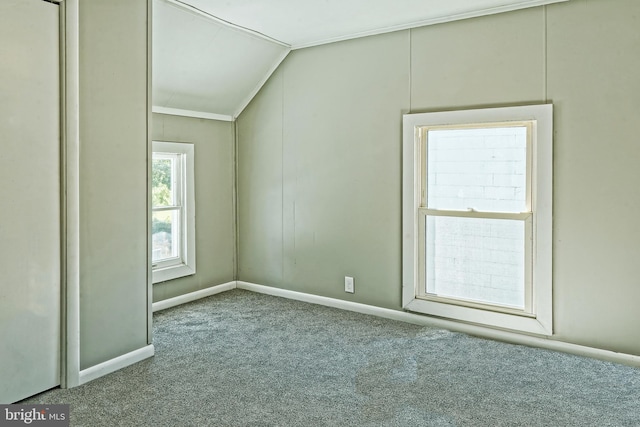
<point x="449" y="195"/>
<point x="172" y="211"/>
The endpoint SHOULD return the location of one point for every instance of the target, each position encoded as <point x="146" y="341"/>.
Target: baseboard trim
<point x="192" y="296"/>
<point x="479" y="331"/>
<point x="115" y="364"/>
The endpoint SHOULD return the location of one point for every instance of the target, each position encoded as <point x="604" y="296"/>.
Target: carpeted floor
<point x="246" y="359"/>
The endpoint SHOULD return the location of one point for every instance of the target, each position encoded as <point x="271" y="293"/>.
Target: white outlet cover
<point x="349" y="285"/>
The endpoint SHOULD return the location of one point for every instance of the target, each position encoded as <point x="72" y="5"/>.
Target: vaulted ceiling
<point x="210" y="57"/>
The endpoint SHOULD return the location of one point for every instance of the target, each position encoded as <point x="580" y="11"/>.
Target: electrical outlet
<point x="348" y="284"/>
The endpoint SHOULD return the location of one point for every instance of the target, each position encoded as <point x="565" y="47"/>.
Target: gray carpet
<point x="245" y="359"/>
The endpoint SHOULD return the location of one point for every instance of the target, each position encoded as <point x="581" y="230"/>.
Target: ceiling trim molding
<point x="190" y="113"/>
<point x="249" y="31"/>
<point x="261" y="83"/>
<point x="433" y="21"/>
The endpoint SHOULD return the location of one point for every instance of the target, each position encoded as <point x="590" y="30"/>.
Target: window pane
<point x="163" y="177"/>
<point x="483" y="169"/>
<point x="165" y="235"/>
<point x="476" y="259"/>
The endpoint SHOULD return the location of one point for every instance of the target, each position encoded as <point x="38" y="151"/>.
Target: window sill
<point x="173" y="272"/>
<point x="479" y="316"/>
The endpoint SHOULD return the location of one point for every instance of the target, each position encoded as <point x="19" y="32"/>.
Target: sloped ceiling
<point x="210" y="57"/>
<point x="203" y="65"/>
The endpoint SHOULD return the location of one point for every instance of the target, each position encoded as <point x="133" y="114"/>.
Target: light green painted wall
<point x="113" y="178"/>
<point x="214" y="176"/>
<point x="493" y="60"/>
<point x="260" y="186"/>
<point x="593" y="62"/>
<point x="319" y="155"/>
<point x="319" y="180"/>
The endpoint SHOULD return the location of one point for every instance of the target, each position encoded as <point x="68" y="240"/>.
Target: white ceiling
<point x="205" y="66"/>
<point x="210" y="57"/>
<point x="303" y="23"/>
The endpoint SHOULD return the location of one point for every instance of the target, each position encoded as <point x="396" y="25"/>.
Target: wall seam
<point x="234" y="203"/>
<point x="63" y="189"/>
<point x="545" y="53"/>
<point x="282" y="172"/>
<point x="410" y="69"/>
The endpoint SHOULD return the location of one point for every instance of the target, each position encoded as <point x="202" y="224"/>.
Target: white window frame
<point x="537" y="318"/>
<point x="185" y="264"/>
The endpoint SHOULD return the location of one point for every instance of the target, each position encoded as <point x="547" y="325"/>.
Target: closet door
<point x="29" y="198"/>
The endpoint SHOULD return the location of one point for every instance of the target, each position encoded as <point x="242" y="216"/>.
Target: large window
<point x="477" y="216"/>
<point x="173" y="214"/>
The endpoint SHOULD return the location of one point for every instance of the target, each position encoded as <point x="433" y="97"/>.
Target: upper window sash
<point x="177" y="181"/>
<point x="422" y="133"/>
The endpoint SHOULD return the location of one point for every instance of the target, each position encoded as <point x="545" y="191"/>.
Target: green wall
<point x="593" y="62"/>
<point x="214" y="177"/>
<point x="113" y="178"/>
<point x="319" y="175"/>
<point x="319" y="155"/>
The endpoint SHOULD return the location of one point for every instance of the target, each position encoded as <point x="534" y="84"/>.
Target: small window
<point x="477" y="220"/>
<point x="172" y="212"/>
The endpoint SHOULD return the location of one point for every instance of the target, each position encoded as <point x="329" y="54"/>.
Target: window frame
<point x="185" y="263"/>
<point x="537" y="316"/>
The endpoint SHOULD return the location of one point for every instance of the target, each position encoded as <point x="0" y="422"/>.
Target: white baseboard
<point x="115" y="364"/>
<point x="423" y="320"/>
<point x="402" y="316"/>
<point x="192" y="296"/>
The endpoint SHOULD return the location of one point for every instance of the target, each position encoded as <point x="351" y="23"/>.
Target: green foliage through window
<point x="161" y="182"/>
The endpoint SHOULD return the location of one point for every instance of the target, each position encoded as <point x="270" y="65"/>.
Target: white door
<point x="29" y="198"/>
